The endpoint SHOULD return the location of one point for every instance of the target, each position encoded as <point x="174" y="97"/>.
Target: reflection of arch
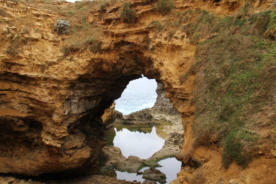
<point x="136" y="143"/>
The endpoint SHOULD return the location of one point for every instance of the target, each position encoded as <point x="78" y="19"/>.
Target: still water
<point x="170" y="167"/>
<point x="135" y="143"/>
<point x="144" y="145"/>
<point x="129" y="176"/>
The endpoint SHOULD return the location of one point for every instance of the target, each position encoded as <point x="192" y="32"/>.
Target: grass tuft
<point x="156" y="25"/>
<point x="127" y="14"/>
<point x="95" y="46"/>
<point x="165" y="6"/>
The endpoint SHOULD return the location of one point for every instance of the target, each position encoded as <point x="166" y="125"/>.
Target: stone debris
<point x="155" y="175"/>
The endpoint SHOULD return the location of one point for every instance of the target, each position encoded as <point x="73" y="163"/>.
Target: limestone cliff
<point x="54" y="88"/>
<point x="163" y="104"/>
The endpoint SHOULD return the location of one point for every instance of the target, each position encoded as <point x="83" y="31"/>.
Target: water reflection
<point x="142" y="145"/>
<point x="129" y="176"/>
<point x="170" y="167"/>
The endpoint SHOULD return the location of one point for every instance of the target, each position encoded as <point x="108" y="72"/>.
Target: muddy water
<point x="144" y="145"/>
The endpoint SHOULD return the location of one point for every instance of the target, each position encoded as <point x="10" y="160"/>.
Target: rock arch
<point x="51" y="101"/>
<point x="64" y="96"/>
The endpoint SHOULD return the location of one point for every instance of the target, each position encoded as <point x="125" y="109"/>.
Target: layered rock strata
<point x="52" y="98"/>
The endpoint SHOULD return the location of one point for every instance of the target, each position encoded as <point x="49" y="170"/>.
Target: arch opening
<point x="138" y="95"/>
<point x="145" y="135"/>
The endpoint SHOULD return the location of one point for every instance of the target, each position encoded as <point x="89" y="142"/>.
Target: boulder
<point x="154" y="175"/>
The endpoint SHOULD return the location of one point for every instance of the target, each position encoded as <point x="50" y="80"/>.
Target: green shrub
<point x="14" y="46"/>
<point x="103" y="7"/>
<point x="95" y="45"/>
<point x="127" y="14"/>
<point x="12" y="50"/>
<point x="232" y="150"/>
<point x="156" y="25"/>
<point x="271" y="26"/>
<point x="66" y="51"/>
<point x="165" y="6"/>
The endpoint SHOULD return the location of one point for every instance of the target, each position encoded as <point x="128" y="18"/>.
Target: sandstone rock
<point x="13" y="180"/>
<point x="220" y="181"/>
<point x="46" y="99"/>
<point x="149" y="182"/>
<point x="155" y="175"/>
<point x="234" y="181"/>
<point x="139" y="116"/>
<point x="163" y="105"/>
<point x="114" y="158"/>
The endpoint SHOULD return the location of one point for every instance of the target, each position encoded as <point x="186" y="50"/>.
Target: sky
<point x="139" y="94"/>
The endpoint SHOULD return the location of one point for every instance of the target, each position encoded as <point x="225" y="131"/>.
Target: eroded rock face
<point x="51" y="101"/>
<point x="163" y="104"/>
<point x="50" y="106"/>
<point x="155" y="175"/>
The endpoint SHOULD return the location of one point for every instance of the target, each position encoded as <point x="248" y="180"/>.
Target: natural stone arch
<point x="41" y="114"/>
<point x="63" y="93"/>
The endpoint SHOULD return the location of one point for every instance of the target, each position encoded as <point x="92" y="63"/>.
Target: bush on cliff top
<point x="95" y="46"/>
<point x="13" y="48"/>
<point x="127" y="14"/>
<point x="165" y="6"/>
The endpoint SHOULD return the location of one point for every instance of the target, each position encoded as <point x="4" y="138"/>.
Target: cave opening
<point x="146" y="134"/>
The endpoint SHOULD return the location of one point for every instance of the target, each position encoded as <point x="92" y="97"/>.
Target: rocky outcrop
<point x="163" y="104"/>
<point x="110" y="115"/>
<point x="161" y="113"/>
<point x="52" y="95"/>
<point x="154" y="175"/>
<point x="115" y="159"/>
